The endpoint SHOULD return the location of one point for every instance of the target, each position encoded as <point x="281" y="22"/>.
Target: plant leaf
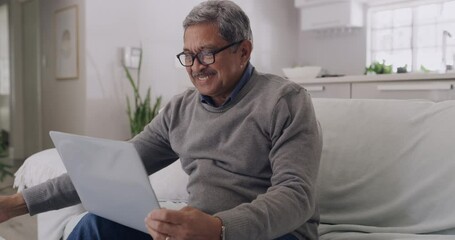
<point x="142" y="112"/>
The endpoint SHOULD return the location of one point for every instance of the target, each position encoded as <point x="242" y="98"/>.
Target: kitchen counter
<point x="378" y="78"/>
<point x="431" y="86"/>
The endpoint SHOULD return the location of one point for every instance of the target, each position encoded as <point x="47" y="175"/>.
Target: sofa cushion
<point x="387" y="166"/>
<point x="170" y="183"/>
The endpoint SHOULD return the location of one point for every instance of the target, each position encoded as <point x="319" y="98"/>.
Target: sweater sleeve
<point x="51" y="195"/>
<point x="294" y="158"/>
<point x="153" y="145"/>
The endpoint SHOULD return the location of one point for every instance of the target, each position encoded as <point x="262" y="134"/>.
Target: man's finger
<point x="152" y="232"/>
<point x="162" y="227"/>
<point x="159" y="232"/>
<point x="166" y="215"/>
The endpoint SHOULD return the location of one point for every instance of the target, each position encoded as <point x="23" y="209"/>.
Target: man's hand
<point x="12" y="206"/>
<point x="187" y="223"/>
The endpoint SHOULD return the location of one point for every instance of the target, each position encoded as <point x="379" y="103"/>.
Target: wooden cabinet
<point x="329" y="90"/>
<point x="434" y="87"/>
<point x="430" y="90"/>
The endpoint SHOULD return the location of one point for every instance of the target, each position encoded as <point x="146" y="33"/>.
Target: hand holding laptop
<point x="188" y="222"/>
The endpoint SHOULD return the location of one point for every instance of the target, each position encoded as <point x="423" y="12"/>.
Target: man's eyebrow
<point x="206" y="47"/>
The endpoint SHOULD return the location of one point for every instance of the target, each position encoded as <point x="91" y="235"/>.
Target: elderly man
<point x="249" y="142"/>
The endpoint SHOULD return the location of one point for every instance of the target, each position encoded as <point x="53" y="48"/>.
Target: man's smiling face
<point x="216" y="80"/>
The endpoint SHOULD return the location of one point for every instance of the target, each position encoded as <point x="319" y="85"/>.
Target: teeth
<point x="203" y="78"/>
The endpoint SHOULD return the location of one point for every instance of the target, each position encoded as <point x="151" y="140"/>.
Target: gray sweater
<point x="252" y="162"/>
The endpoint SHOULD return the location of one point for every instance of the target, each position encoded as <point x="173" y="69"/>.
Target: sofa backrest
<point x="387" y="165"/>
<point x="169" y="183"/>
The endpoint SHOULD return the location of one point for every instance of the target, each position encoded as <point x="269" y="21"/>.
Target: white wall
<point x="63" y="101"/>
<point x="95" y="103"/>
<point x="338" y="52"/>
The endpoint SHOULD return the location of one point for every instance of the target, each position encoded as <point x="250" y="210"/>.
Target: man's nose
<point x="197" y="65"/>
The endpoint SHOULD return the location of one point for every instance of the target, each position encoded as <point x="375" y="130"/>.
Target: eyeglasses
<point x="204" y="58"/>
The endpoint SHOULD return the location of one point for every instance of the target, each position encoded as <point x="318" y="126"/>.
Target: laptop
<point x="109" y="178"/>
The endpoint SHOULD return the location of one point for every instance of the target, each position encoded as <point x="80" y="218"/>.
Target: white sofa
<point x="387" y="172"/>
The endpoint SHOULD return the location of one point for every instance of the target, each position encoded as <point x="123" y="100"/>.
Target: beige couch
<point x="387" y="172"/>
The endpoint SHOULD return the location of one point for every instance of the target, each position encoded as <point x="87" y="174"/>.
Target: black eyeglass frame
<point x="202" y="54"/>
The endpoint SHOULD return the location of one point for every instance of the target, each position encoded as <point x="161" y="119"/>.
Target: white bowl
<point x="302" y="72"/>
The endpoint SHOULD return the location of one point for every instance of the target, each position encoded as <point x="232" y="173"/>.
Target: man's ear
<point x="246" y="47"/>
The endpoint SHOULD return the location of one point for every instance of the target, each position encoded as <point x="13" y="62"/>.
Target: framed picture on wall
<point x="67" y="43"/>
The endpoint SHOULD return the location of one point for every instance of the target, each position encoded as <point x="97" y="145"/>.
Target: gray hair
<point x="233" y="23"/>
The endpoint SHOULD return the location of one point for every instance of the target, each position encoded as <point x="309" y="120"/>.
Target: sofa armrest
<point x="37" y="169"/>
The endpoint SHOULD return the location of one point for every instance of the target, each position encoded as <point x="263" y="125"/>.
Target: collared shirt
<point x="245" y="77"/>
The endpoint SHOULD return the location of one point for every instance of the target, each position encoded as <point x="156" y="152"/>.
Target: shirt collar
<point x="245" y="77"/>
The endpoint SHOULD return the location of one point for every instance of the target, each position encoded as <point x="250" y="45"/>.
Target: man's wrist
<point x="19" y="206"/>
<point x="222" y="229"/>
<point x="223" y="232"/>
<point x="13" y="206"/>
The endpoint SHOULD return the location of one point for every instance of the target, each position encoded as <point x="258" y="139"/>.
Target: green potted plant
<point x="5" y="169"/>
<point x="143" y="110"/>
<point x="403" y="69"/>
<point x="378" y="68"/>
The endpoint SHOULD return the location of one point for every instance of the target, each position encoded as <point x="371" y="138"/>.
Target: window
<point x="412" y="34"/>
